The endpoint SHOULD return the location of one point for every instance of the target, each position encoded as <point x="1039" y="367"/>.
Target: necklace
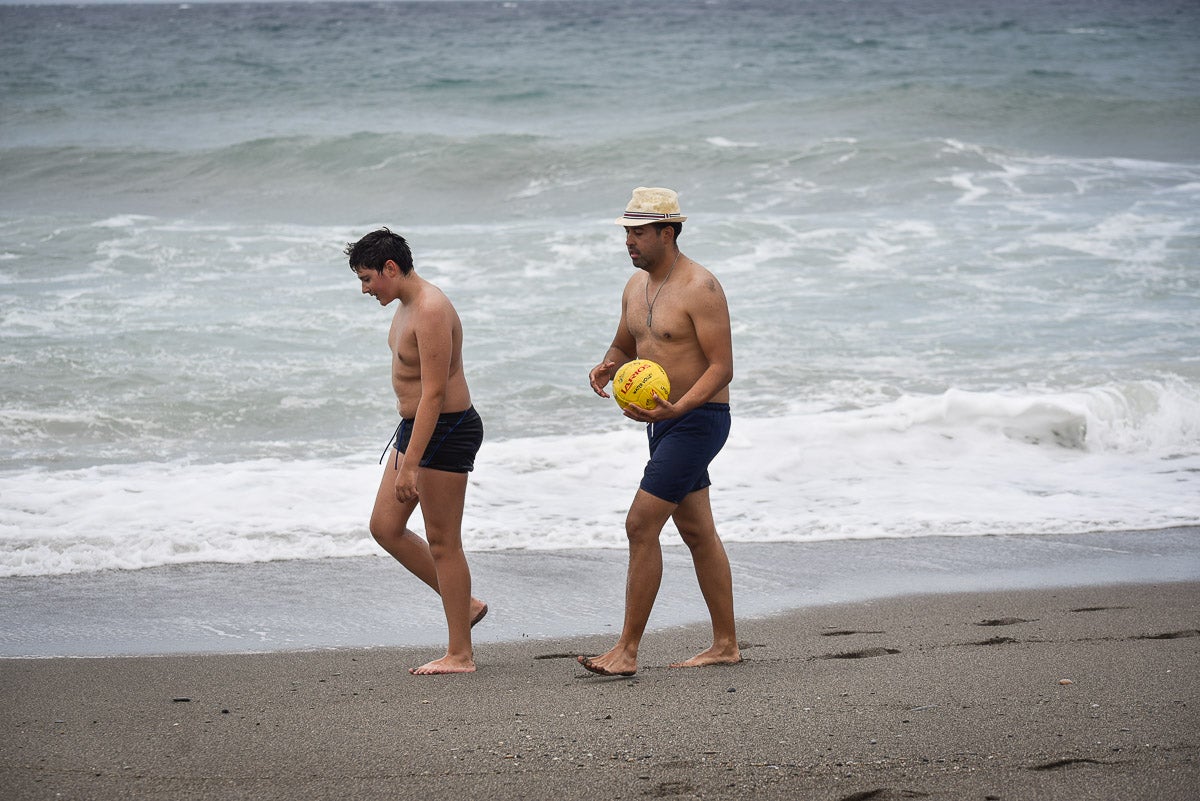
<point x="650" y="303"/>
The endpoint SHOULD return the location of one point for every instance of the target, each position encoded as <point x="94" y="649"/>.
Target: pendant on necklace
<point x="650" y="303"/>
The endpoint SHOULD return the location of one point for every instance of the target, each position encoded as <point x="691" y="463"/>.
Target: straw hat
<point x="651" y="204"/>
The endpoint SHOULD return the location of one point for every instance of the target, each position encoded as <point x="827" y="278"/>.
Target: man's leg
<point x="693" y="517"/>
<point x="389" y="527"/>
<point x="643" y="525"/>
<point x="442" y="496"/>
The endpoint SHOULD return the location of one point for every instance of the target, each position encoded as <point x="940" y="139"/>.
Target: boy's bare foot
<point x="713" y="656"/>
<point x="479" y="611"/>
<point x="609" y="664"/>
<point x="442" y="666"/>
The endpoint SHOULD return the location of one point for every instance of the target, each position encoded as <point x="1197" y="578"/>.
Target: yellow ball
<point x="634" y="381"/>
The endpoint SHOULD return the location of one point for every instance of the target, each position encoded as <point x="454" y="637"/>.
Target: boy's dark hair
<point x="378" y="248"/>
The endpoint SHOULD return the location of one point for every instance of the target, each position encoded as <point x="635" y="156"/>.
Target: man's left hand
<point x="665" y="410"/>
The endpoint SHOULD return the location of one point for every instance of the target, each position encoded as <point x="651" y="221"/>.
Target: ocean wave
<point x="503" y="177"/>
<point x="957" y="464"/>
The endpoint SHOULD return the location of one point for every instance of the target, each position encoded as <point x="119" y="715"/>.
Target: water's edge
<point x="372" y="602"/>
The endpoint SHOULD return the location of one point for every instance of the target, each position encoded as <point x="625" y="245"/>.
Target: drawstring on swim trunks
<point x="395" y="436"/>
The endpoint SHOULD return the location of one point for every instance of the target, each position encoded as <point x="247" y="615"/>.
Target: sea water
<point x="960" y="243"/>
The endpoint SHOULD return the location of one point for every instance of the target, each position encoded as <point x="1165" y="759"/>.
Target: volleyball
<point x="635" y="380"/>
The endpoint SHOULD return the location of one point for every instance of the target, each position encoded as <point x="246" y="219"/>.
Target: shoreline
<point x="1087" y="692"/>
<point x="369" y="602"/>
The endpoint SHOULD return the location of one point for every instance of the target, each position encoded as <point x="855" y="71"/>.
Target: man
<point x="672" y="312"/>
<point x="435" y="444"/>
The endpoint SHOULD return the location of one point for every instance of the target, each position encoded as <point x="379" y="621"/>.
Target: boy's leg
<point x="442" y="497"/>
<point x="389" y="527"/>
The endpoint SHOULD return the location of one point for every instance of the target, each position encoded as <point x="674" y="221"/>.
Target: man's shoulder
<point x="700" y="278"/>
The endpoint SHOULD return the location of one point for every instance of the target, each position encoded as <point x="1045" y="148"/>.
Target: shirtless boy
<point x="435" y="444"/>
<point x="674" y="312"/>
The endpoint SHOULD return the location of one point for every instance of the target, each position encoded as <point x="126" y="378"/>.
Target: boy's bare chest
<point x="402" y="339"/>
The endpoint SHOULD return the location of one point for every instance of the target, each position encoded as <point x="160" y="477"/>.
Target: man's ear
<point x="391" y="269"/>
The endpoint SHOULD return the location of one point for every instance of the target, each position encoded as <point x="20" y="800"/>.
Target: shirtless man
<point x="672" y="312"/>
<point x="435" y="444"/>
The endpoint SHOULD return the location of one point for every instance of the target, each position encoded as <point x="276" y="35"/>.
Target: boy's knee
<point x="385" y="530"/>
<point x="440" y="549"/>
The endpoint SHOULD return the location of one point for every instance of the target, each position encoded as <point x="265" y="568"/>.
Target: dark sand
<point x="957" y="696"/>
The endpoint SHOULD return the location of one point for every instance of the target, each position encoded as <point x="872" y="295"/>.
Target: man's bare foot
<point x="444" y="665"/>
<point x="713" y="656"/>
<point x="479" y="611"/>
<point x="610" y="664"/>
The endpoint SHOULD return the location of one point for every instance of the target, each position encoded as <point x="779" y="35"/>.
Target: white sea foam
<point x="721" y="141"/>
<point x="959" y="463"/>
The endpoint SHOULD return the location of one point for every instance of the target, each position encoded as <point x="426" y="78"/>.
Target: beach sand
<point x="1079" y="693"/>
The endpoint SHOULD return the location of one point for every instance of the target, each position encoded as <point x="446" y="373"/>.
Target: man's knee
<point x="639" y="531"/>
<point x="645" y="521"/>
<point x="692" y="537"/>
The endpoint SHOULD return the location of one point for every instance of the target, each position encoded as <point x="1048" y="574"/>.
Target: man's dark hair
<point x="378" y="248"/>
<point x="678" y="226"/>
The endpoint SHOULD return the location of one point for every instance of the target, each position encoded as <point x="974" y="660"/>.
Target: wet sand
<point x="368" y="602"/>
<point x="1079" y="693"/>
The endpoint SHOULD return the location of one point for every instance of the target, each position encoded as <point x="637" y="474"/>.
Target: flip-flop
<point x="482" y="614"/>
<point x="588" y="664"/>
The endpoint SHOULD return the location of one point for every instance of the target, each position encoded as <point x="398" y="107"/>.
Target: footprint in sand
<point x="1169" y="635"/>
<point x="866" y="653"/>
<point x="1058" y="764"/>
<point x="556" y="656"/>
<point x="883" y="794"/>
<point x="997" y="641"/>
<point x="668" y="789"/>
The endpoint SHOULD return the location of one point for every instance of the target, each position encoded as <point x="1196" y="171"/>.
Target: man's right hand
<point x="599" y="377"/>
